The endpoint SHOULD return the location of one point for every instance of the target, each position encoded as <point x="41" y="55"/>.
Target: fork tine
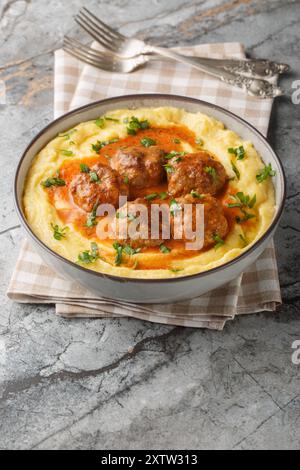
<point x="104" y="33"/>
<point x="73" y="43"/>
<point x="92" y="61"/>
<point x="95" y="34"/>
<point x="104" y="25"/>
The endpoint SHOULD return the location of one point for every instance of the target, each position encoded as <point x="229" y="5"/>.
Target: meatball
<point x="215" y="222"/>
<point x="131" y="228"/>
<point x="197" y="171"/>
<point x="142" y="166"/>
<point x="99" y="185"/>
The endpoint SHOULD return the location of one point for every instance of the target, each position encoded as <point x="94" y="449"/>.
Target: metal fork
<point x="130" y="47"/>
<point x="112" y="63"/>
<point x="104" y="60"/>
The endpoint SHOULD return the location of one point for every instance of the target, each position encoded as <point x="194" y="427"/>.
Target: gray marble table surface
<point x="73" y="384"/>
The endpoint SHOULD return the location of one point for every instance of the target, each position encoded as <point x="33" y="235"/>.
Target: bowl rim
<point x="150" y="96"/>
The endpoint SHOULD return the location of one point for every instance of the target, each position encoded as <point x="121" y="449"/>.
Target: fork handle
<point x="253" y="86"/>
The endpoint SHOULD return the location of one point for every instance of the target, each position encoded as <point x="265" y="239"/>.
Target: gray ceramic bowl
<point x="148" y="290"/>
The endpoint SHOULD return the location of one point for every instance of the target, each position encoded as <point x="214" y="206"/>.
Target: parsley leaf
<point x="196" y="195"/>
<point x="244" y="240"/>
<point x="239" y="152"/>
<point x="164" y="249"/>
<point x="67" y="135"/>
<point x="119" y="250"/>
<point x="89" y="256"/>
<point x="91" y="220"/>
<point x="67" y="153"/>
<point x="55" y="181"/>
<point x="99" y="145"/>
<point x="150" y="197"/>
<point x="265" y="173"/>
<point x="177" y="141"/>
<point x="135" y="125"/>
<point x="84" y="168"/>
<point x="59" y="233"/>
<point x="219" y="241"/>
<point x="94" y="177"/>
<point x="210" y="170"/>
<point x="131" y="251"/>
<point x="236" y="170"/>
<point x="100" y="122"/>
<point x="174" y="207"/>
<point x="163" y="195"/>
<point x="169" y="168"/>
<point x="147" y="142"/>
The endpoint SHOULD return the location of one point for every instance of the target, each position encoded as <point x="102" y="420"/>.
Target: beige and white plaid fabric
<point x="255" y="290"/>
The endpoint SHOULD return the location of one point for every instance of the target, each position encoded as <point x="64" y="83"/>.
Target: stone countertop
<point x="73" y="384"/>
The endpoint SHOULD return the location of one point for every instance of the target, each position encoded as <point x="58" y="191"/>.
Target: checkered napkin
<point x="77" y="84"/>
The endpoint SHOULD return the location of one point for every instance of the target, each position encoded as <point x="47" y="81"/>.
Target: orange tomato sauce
<point x="167" y="139"/>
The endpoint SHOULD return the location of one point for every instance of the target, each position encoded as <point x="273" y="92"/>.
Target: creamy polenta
<point x="70" y="229"/>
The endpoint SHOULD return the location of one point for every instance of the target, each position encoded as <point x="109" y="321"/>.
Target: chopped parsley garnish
<point x="196" y="195"/>
<point x="236" y="170"/>
<point x="244" y="240"/>
<point x="174" y="154"/>
<point x="91" y="220"/>
<point x="242" y="200"/>
<point x="84" y="168"/>
<point x="59" y="233"/>
<point x="67" y="135"/>
<point x="55" y="181"/>
<point x="239" y="152"/>
<point x="177" y="141"/>
<point x="134" y="125"/>
<point x="100" y="122"/>
<point x="108" y="118"/>
<point x="210" y="170"/>
<point x="131" y="251"/>
<point x="219" y="241"/>
<point x="163" y="195"/>
<point x="67" y="153"/>
<point x="164" y="249"/>
<point x="147" y="142"/>
<point x="126" y="179"/>
<point x="175" y="270"/>
<point x="121" y="215"/>
<point x="89" y="256"/>
<point x="119" y="250"/>
<point x="246" y="216"/>
<point x="150" y="197"/>
<point x="265" y="173"/>
<point x="169" y="168"/>
<point x="174" y="207"/>
<point x="94" y="177"/>
<point x="99" y="145"/>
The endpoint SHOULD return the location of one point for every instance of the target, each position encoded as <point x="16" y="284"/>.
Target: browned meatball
<point x="197" y="171"/>
<point x="215" y="222"/>
<point x="143" y="166"/>
<point x="136" y="237"/>
<point x="100" y="185"/>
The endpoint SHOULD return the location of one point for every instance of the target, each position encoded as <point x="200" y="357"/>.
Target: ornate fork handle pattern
<point x="253" y="86"/>
<point x="262" y="68"/>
